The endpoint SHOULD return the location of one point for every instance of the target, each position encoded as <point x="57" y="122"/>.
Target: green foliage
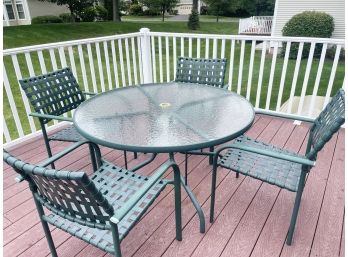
<point x="46" y="19"/>
<point x="102" y="13"/>
<point x="193" y="22"/>
<point x="75" y="6"/>
<point x="66" y="17"/>
<point x="308" y="24"/>
<point x="135" y="9"/>
<point x="88" y="14"/>
<point x="160" y="5"/>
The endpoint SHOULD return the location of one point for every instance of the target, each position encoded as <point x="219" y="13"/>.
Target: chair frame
<point x="24" y="169"/>
<point x="307" y="161"/>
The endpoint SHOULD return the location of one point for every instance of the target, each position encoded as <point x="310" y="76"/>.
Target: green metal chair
<point x="99" y="209"/>
<point x="201" y="71"/>
<point x="277" y="166"/>
<point x="52" y="95"/>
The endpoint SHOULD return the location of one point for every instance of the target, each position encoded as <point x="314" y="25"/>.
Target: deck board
<point x="251" y="217"/>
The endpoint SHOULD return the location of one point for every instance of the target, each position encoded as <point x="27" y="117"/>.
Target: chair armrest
<point x="19" y="179"/>
<point x="53" y="117"/>
<point x="62" y="153"/>
<point x="88" y="93"/>
<point x="283" y="115"/>
<point x="286" y="157"/>
<point x="153" y="179"/>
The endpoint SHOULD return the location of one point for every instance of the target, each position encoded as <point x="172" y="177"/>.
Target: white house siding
<point x="285" y="9"/>
<point x="38" y="8"/>
<point x="184" y="7"/>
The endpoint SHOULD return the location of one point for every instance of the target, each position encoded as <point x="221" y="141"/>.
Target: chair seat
<point x="117" y="185"/>
<point x="68" y="134"/>
<point x="282" y="173"/>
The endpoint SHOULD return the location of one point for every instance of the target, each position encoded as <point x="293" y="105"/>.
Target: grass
<point x="37" y="34"/>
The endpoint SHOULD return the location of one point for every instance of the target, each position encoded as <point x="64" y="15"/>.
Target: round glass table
<point x="164" y="118"/>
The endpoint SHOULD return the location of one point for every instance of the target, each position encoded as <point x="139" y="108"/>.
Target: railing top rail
<point x="26" y="49"/>
<point x="257" y="38"/>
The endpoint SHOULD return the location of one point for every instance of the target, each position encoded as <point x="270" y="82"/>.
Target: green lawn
<point x="37" y="34"/>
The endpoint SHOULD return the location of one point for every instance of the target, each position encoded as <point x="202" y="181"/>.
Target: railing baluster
<point x="12" y="104"/>
<point x="114" y="63"/>
<point x="72" y="62"/>
<point x="42" y="62"/>
<point x="140" y="60"/>
<point x="190" y="47"/>
<point x="174" y="56"/>
<point x="305" y="81"/>
<point x="167" y="59"/>
<point x="271" y="75"/>
<point x="91" y="67"/>
<point x="107" y="61"/>
<point x="53" y="59"/>
<point x="241" y="63"/>
<point x="259" y="85"/>
<point x="198" y="48"/>
<point x="130" y="81"/>
<point x="24" y="97"/>
<point x="83" y="67"/>
<point x="154" y="68"/>
<point x="134" y="61"/>
<point x="5" y="129"/>
<point x="251" y="65"/>
<point x="100" y="67"/>
<point x="332" y="75"/>
<point x="215" y="48"/>
<point x="282" y="79"/>
<point x="62" y="57"/>
<point x="160" y="58"/>
<point x="317" y="80"/>
<point x="294" y="80"/>
<point x="29" y="64"/>
<point x="120" y="55"/>
<point x="182" y="53"/>
<point x="223" y="45"/>
<point x="230" y="72"/>
<point x="206" y="48"/>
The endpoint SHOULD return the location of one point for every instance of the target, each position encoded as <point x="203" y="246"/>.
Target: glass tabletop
<point x="161" y="118"/>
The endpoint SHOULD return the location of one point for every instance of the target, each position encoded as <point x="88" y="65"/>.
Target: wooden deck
<point x="251" y="217"/>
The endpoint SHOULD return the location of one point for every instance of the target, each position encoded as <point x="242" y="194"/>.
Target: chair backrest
<point x="203" y="71"/>
<point x="54" y="93"/>
<point x="71" y="195"/>
<point x="326" y="124"/>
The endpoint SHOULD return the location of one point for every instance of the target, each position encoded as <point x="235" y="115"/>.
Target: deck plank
<point x="251" y="217"/>
<point x="328" y="233"/>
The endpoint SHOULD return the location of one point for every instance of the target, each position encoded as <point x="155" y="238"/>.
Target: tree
<point x="217" y="7"/>
<point x="195" y="5"/>
<point x="116" y="11"/>
<point x="75" y="6"/>
<point x="160" y="5"/>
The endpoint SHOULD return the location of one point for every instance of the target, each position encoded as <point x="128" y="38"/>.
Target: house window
<point x="9" y="9"/>
<point x="20" y="11"/>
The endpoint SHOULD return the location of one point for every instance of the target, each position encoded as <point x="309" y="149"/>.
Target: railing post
<point x="145" y="48"/>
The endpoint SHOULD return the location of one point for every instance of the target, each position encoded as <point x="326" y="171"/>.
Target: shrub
<point x="193" y="22"/>
<point x="46" y="19"/>
<point x="102" y="13"/>
<point x="135" y="9"/>
<point x="88" y="14"/>
<point x="204" y="10"/>
<point x="331" y="52"/>
<point x="173" y="12"/>
<point x="308" y="24"/>
<point x="66" y="17"/>
<point x="151" y="12"/>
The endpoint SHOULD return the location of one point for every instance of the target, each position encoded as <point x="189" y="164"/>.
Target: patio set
<point x="195" y="114"/>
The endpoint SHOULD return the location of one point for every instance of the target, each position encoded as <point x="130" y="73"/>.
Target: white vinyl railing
<point x="278" y="79"/>
<point x="259" y="25"/>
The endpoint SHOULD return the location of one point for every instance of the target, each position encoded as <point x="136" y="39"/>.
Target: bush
<point x="151" y="12"/>
<point x="66" y="17"/>
<point x="308" y="24"/>
<point x="102" y="13"/>
<point x="331" y="52"/>
<point x="88" y="14"/>
<point x="204" y="10"/>
<point x="135" y="9"/>
<point x="173" y="12"/>
<point x="193" y="22"/>
<point x="46" y="19"/>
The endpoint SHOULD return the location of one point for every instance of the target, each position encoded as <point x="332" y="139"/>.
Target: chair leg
<point x="116" y="239"/>
<point x="177" y="193"/>
<point x="125" y="159"/>
<point x="135" y="155"/>
<point x="237" y="174"/>
<point x="93" y="157"/>
<point x="211" y="149"/>
<point x="213" y="188"/>
<point x="46" y="228"/>
<point x="47" y="143"/>
<point x="296" y="208"/>
<point x="186" y="168"/>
